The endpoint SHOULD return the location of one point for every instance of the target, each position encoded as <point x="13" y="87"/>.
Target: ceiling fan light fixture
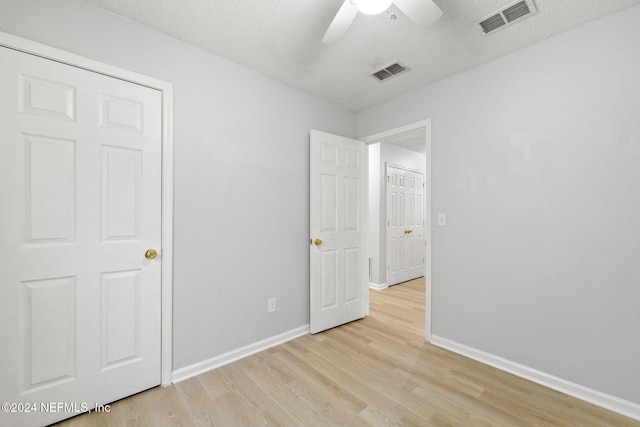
<point x="373" y="7"/>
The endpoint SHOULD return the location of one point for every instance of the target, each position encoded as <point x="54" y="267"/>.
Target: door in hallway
<point x="405" y="225"/>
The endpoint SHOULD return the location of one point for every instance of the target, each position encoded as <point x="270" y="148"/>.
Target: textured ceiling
<point x="282" y="39"/>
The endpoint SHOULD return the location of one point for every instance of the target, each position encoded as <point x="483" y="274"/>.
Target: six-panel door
<point x="405" y="230"/>
<point x="338" y="281"/>
<point x="80" y="174"/>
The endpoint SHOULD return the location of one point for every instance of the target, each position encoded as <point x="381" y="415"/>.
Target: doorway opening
<point x="398" y="215"/>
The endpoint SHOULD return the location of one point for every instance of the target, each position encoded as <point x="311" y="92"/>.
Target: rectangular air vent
<point x="507" y="15"/>
<point x="389" y="71"/>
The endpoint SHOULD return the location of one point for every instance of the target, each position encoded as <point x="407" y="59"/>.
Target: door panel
<point x="48" y="334"/>
<point x="50" y="170"/>
<point x="329" y="195"/>
<point x="80" y="169"/>
<point x="405" y="241"/>
<point x="47" y="98"/>
<point x="121" y="188"/>
<point x="120" y="313"/>
<point x="338" y="287"/>
<point x="329" y="282"/>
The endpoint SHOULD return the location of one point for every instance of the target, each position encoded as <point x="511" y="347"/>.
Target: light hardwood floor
<point x="374" y="372"/>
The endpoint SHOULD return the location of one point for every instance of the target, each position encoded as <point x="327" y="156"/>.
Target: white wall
<point x="241" y="174"/>
<point x="536" y="162"/>
<point x="382" y="154"/>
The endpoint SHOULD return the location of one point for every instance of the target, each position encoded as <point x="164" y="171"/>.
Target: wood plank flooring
<point x="378" y="371"/>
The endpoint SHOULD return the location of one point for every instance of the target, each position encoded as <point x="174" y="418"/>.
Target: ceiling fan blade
<point x="341" y="22"/>
<point x="422" y="12"/>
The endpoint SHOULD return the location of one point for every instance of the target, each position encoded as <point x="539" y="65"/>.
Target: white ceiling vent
<point x="389" y="71"/>
<point x="507" y="15"/>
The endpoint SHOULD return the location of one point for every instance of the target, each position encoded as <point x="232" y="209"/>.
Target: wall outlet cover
<point x="272" y="305"/>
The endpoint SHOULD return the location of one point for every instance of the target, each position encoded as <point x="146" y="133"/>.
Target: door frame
<point x="424" y="225"/>
<point x="426" y="125"/>
<point x="47" y="52"/>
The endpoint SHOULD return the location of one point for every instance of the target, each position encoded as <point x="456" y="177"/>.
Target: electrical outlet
<point x="271" y="305"/>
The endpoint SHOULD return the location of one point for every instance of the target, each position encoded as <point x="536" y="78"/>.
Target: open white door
<point x="338" y="280"/>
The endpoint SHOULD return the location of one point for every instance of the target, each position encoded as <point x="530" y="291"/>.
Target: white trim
<point x="167" y="236"/>
<point x="378" y="286"/>
<point x="367" y="295"/>
<point x="226" y="358"/>
<point x="395" y="166"/>
<point x="64" y="57"/>
<point x="427" y="227"/>
<point x="607" y="401"/>
<point x="398" y="131"/>
<point x="426" y="124"/>
<point x="27" y="46"/>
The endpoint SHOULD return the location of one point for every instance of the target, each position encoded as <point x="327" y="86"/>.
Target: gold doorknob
<point x="317" y="242"/>
<point x="150" y="254"/>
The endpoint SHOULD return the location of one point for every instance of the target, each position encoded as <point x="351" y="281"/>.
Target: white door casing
<point x="405" y="225"/>
<point x="80" y="161"/>
<point x="381" y="136"/>
<point x="338" y="279"/>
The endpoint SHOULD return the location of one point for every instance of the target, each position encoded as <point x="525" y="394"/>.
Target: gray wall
<point x="536" y="162"/>
<point x="241" y="174"/>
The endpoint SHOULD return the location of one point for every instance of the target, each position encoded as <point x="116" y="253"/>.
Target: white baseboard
<point x="378" y="286"/>
<point x="224" y="359"/>
<point x="615" y="404"/>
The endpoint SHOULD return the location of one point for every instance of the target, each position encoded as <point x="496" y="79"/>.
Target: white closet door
<point x="405" y="225"/>
<point x="80" y="204"/>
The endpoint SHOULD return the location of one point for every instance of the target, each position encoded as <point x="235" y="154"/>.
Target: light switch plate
<point x="442" y="220"/>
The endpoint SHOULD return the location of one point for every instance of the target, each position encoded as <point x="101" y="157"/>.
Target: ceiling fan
<point x="422" y="12"/>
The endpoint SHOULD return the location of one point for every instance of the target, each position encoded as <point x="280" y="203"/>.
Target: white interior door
<point x="338" y="279"/>
<point x="80" y="204"/>
<point x="405" y="225"/>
